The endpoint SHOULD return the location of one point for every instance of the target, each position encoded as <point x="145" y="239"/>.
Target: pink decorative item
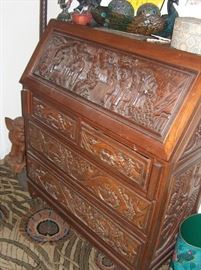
<point x="81" y="18"/>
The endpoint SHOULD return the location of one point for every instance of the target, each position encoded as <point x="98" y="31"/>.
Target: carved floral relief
<point x="195" y="141"/>
<point x="54" y="118"/>
<point x="112" y="234"/>
<point x="128" y="204"/>
<point x="144" y="92"/>
<point x="181" y="203"/>
<point x="131" y="165"/>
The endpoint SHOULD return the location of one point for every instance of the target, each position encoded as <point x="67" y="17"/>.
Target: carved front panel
<point x="129" y="205"/>
<point x="183" y="196"/>
<point x="142" y="91"/>
<point x="195" y="141"/>
<point x="123" y="243"/>
<point x="54" y="118"/>
<point x="127" y="162"/>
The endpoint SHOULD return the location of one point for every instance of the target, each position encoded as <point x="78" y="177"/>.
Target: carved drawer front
<point x="124" y="244"/>
<point x="127" y="162"/>
<point x="130" y="206"/>
<point x="55" y="119"/>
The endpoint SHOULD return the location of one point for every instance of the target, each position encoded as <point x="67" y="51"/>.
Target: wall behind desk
<point x="19" y="33"/>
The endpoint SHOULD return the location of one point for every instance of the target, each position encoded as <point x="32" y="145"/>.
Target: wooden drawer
<point x="123" y="160"/>
<point x="126" y="245"/>
<point x="126" y="203"/>
<point x="46" y="113"/>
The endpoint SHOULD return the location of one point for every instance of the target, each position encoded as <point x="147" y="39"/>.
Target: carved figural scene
<point x="143" y="92"/>
<point x="16" y="158"/>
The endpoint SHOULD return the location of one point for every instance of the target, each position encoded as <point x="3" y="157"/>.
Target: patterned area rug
<point x="34" y="237"/>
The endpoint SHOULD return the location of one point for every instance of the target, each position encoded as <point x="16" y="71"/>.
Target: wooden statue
<point x="16" y="158"/>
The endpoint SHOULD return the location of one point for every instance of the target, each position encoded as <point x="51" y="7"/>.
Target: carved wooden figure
<point x="113" y="128"/>
<point x="16" y="158"/>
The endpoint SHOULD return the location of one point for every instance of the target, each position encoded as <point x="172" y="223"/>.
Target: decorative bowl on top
<point x="81" y="18"/>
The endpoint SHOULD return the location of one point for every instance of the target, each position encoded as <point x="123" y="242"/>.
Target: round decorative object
<point x="137" y="3"/>
<point x="187" y="254"/>
<point x="122" y="7"/>
<point x="148" y="9"/>
<point x="46" y="226"/>
<point x="187" y="34"/>
<point x="104" y="263"/>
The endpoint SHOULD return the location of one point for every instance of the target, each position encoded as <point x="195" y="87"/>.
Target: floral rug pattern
<point x="34" y="237"/>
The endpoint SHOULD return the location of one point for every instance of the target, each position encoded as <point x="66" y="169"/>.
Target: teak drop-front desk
<point x="113" y="139"/>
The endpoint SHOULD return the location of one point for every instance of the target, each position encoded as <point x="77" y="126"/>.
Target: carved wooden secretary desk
<point x="113" y="138"/>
